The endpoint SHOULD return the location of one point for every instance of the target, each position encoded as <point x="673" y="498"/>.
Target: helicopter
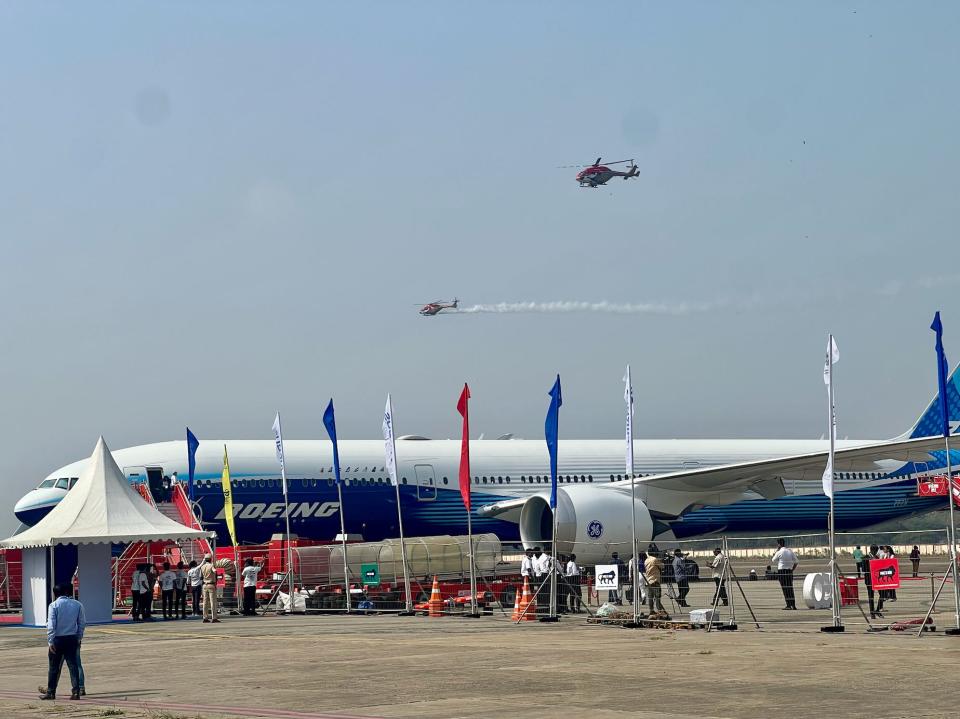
<point x="433" y="308"/>
<point x="597" y="174"/>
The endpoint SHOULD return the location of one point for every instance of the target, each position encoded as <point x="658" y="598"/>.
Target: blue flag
<point x="551" y="431"/>
<point x="192" y="444"/>
<point x="942" y="373"/>
<point x="330" y="422"/>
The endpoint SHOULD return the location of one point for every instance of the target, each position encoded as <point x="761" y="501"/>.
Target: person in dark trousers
<point x="180" y="593"/>
<point x="135" y="594"/>
<point x="249" y="573"/>
<point x="717" y="565"/>
<point x="680" y="577"/>
<point x="65" y="625"/>
<point x="785" y="562"/>
<point x="915" y="560"/>
<point x="168" y="580"/>
<point x="196" y="587"/>
<point x="875" y="612"/>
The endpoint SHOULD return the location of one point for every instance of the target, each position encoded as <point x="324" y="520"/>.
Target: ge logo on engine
<point x="594" y="529"/>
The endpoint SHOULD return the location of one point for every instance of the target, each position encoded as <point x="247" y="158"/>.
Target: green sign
<point x="370" y="574"/>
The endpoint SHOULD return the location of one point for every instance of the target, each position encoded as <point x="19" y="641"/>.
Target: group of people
<point x="537" y="566"/>
<point x="876" y="598"/>
<point x="173" y="591"/>
<point x="200" y="579"/>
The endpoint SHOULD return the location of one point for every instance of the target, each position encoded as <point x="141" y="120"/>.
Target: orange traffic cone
<point x="515" y="617"/>
<point x="528" y="603"/>
<point x="435" y="605"/>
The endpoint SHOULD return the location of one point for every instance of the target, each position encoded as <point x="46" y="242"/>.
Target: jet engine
<point x="592" y="522"/>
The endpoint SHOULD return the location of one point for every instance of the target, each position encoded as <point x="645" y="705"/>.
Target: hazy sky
<point x="211" y="211"/>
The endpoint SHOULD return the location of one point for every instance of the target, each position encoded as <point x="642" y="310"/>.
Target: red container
<point x="849" y="591"/>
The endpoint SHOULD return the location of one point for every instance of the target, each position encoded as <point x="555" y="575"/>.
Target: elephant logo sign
<point x="594" y="530"/>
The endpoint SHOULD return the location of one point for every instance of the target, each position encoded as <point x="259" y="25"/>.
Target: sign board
<point x="370" y="574"/>
<point x="885" y="573"/>
<point x="608" y="577"/>
<point x="938" y="487"/>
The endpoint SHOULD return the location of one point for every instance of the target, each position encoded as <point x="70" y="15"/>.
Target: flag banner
<point x="192" y="445"/>
<point x="552" y="432"/>
<point x="330" y="422"/>
<point x="942" y="372"/>
<point x="389" y="446"/>
<point x="885" y="574"/>
<point x="228" y="497"/>
<point x="628" y="398"/>
<point x="278" y="446"/>
<point x="607" y="577"/>
<point x="832" y="357"/>
<point x="464" y="410"/>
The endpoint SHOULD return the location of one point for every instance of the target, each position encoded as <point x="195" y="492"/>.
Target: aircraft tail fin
<point x="928" y="425"/>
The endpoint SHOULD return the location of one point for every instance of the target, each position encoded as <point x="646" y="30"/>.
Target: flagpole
<point x="628" y="396"/>
<point x="835" y="590"/>
<point x="388" y="428"/>
<point x="343" y="543"/>
<point x="953" y="535"/>
<point x="473" y="573"/>
<point x="286" y="516"/>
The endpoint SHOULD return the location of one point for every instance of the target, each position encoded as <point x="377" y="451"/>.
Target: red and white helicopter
<point x="434" y="308"/>
<point x="597" y="174"/>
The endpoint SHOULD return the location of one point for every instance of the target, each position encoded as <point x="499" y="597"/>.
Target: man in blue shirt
<point x="65" y="624"/>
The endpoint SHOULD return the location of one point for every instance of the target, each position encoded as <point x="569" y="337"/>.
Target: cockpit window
<point x="73" y="481"/>
<point x="46" y="483"/>
<point x="63" y="483"/>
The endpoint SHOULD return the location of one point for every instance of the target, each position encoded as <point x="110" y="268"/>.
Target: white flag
<point x="831" y="358"/>
<point x="278" y="446"/>
<point x="389" y="448"/>
<point x="628" y="399"/>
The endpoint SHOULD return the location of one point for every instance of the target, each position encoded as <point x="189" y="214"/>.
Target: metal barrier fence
<point x="11" y="599"/>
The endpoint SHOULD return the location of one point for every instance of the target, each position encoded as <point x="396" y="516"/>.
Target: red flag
<point x="465" y="446"/>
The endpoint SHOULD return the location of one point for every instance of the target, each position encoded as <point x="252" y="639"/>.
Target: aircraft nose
<point x="33" y="506"/>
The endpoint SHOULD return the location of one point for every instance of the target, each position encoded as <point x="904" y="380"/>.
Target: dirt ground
<point x="384" y="666"/>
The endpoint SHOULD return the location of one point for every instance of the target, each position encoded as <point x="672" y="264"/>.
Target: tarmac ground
<point x="322" y="666"/>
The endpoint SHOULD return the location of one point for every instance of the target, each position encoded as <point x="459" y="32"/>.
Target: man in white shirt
<point x="572" y="575"/>
<point x="785" y="561"/>
<point x="167" y="579"/>
<point x="716" y="564"/>
<point x="249" y="573"/>
<point x="526" y="566"/>
<point x="196" y="587"/>
<point x="180" y="593"/>
<point x="135" y="594"/>
<point x="541" y="566"/>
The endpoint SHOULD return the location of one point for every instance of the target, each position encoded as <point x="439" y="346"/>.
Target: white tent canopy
<point x="102" y="508"/>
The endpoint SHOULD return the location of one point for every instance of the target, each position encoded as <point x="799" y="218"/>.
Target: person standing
<point x="653" y="572"/>
<point x="148" y="583"/>
<point x="858" y="560"/>
<point x="168" y="578"/>
<point x="135" y="584"/>
<point x="613" y="596"/>
<point x="572" y="575"/>
<point x="717" y="565"/>
<point x="680" y="577"/>
<point x="915" y="560"/>
<point x="180" y="593"/>
<point x="785" y="562"/>
<point x="875" y="612"/>
<point x="637" y="581"/>
<point x="196" y="586"/>
<point x="65" y="625"/>
<point x="526" y="566"/>
<point x="208" y="571"/>
<point x="250" y="571"/>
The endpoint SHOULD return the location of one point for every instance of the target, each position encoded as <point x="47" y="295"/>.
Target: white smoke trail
<point x="643" y="308"/>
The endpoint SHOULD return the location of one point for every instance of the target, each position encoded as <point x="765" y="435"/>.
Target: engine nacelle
<point x="592" y="522"/>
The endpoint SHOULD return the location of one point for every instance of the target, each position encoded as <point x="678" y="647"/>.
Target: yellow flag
<point x="228" y="497"/>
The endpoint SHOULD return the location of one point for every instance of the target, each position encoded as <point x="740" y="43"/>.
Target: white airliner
<point x="684" y="487"/>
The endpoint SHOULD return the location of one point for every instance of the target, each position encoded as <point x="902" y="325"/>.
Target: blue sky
<point x="214" y="211"/>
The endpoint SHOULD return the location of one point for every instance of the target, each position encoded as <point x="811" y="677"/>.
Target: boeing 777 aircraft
<point x="684" y="487"/>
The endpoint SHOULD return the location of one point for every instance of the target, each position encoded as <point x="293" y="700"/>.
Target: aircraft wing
<point x="763" y="476"/>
